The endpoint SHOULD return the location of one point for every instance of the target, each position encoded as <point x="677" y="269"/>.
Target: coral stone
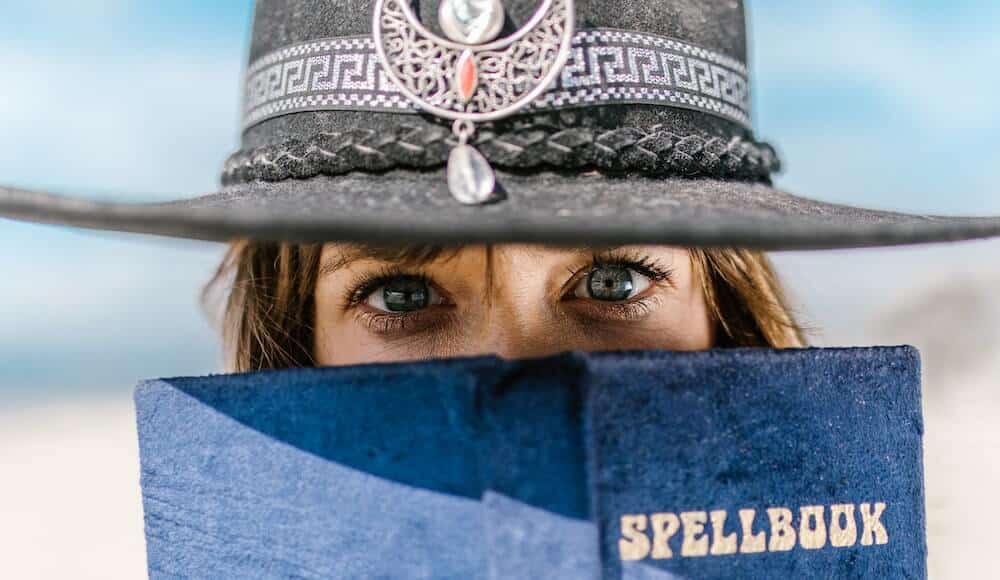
<point x="466" y="76"/>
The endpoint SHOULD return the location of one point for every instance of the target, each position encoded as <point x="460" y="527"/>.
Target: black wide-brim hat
<point x="466" y="121"/>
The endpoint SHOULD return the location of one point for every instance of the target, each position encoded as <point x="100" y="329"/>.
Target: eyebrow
<point x="587" y="251"/>
<point x="415" y="255"/>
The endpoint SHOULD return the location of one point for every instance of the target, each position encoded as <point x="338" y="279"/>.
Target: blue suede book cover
<point x="721" y="464"/>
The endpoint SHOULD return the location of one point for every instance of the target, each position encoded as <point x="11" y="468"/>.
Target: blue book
<point x="721" y="464"/>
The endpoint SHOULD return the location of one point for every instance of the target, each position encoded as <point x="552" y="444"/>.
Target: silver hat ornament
<point x="472" y="76"/>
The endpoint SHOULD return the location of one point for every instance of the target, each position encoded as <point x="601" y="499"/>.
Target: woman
<point x="518" y="177"/>
<point x="566" y="131"/>
<point x="293" y="305"/>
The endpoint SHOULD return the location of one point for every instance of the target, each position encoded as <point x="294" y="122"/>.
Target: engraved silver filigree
<point x="471" y="83"/>
<point x="512" y="71"/>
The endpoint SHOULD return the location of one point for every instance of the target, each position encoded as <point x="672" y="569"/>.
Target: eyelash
<point x="641" y="263"/>
<point x="369" y="282"/>
<point x="388" y="323"/>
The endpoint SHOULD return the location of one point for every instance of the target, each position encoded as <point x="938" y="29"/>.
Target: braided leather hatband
<point x="654" y="151"/>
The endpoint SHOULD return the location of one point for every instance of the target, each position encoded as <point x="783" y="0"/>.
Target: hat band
<point x="655" y="151"/>
<point x="606" y="66"/>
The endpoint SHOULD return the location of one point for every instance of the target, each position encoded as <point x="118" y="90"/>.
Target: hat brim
<point x="553" y="208"/>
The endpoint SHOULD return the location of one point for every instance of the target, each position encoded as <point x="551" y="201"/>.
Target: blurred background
<point x="890" y="104"/>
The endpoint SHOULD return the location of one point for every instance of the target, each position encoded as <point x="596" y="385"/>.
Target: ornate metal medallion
<point x="472" y="76"/>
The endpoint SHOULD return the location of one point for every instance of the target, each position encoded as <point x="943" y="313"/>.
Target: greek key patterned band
<point x="606" y="67"/>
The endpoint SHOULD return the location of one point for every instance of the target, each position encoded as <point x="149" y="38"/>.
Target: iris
<point x="406" y="295"/>
<point x="610" y="284"/>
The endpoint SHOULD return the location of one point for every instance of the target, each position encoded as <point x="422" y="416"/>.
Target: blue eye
<point x="612" y="283"/>
<point x="403" y="294"/>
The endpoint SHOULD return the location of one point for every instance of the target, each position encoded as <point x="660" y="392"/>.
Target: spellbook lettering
<point x="693" y="534"/>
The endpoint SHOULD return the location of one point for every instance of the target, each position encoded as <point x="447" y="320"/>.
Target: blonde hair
<point x="268" y="313"/>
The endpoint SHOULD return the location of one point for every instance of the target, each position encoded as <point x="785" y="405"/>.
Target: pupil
<point x="610" y="284"/>
<point x="405" y="295"/>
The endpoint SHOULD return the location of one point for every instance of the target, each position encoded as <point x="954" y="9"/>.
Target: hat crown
<point x="714" y="24"/>
<point x="704" y="39"/>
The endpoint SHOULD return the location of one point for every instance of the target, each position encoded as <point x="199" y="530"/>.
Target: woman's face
<point x="515" y="301"/>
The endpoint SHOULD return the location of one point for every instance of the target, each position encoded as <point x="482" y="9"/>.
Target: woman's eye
<point x="402" y="295"/>
<point x="612" y="284"/>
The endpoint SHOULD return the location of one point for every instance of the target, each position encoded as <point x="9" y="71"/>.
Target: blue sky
<point x="901" y="94"/>
<point x="889" y="104"/>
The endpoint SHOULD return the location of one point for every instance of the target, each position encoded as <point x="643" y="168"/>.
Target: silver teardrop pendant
<point x="470" y="178"/>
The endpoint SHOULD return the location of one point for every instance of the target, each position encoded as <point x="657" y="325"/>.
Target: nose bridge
<point x="514" y="336"/>
<point x="518" y="312"/>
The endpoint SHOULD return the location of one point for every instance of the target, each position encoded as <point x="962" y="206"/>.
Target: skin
<point x="514" y="301"/>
